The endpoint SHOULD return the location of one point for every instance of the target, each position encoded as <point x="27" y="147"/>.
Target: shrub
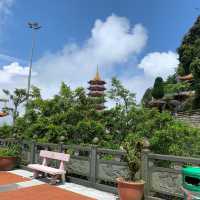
<point x="133" y="147"/>
<point x="11" y="151"/>
<point x="175" y="88"/>
<point x="158" y="88"/>
<point x="5" y="131"/>
<point x="178" y="139"/>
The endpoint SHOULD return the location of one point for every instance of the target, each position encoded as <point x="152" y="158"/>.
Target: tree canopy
<point x="189" y="49"/>
<point x="71" y="116"/>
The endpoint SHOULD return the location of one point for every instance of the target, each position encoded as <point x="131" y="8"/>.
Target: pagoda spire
<point x="97" y="76"/>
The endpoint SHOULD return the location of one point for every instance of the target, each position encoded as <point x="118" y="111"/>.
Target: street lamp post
<point x="34" y="26"/>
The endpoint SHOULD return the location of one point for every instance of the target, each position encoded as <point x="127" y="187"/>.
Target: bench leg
<point x="54" y="179"/>
<point x="35" y="174"/>
<point x="63" y="178"/>
<point x="43" y="175"/>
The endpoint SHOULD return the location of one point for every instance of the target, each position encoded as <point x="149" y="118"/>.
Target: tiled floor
<point x="9" y="178"/>
<point x="42" y="192"/>
<point x="89" y="192"/>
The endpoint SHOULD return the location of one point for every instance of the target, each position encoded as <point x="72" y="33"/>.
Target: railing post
<point x="60" y="150"/>
<point x="93" y="164"/>
<point x="32" y="152"/>
<point x="60" y="147"/>
<point x="145" y="167"/>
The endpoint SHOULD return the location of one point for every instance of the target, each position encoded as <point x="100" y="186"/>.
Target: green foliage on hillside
<point x="176" y="139"/>
<point x="189" y="49"/>
<point x="189" y="57"/>
<point x="147" y="97"/>
<point x="176" y="88"/>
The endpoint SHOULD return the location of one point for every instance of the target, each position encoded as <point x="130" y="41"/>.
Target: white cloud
<point x="137" y="84"/>
<point x="159" y="64"/>
<point x="112" y="42"/>
<point x="13" y="70"/>
<point x="5" y="6"/>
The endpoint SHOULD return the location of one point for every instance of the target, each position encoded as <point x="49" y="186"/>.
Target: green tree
<point x="171" y="79"/>
<point x="189" y="49"/>
<point x="17" y="98"/>
<point x="177" y="139"/>
<point x="72" y="116"/>
<point x="147" y="97"/>
<point x="195" y="69"/>
<point x="158" y="88"/>
<point x="121" y="95"/>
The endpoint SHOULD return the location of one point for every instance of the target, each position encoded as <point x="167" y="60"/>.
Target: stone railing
<point x="99" y="168"/>
<point x="163" y="175"/>
<point x="90" y="166"/>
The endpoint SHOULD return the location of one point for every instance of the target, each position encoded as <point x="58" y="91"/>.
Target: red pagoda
<point x="96" y="91"/>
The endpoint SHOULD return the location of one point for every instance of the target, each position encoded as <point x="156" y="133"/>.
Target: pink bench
<point x="54" y="172"/>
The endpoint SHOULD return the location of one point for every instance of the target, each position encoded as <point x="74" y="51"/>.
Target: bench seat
<point x="46" y="169"/>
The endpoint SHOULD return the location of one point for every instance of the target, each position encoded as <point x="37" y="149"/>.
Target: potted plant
<point x="131" y="188"/>
<point x="8" y="157"/>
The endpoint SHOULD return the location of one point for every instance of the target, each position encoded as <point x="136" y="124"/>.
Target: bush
<point x="6" y="131"/>
<point x="11" y="151"/>
<point x="177" y="139"/>
<point x="175" y="88"/>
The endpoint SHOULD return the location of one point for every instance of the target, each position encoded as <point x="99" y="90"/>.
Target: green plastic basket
<point x="191" y="178"/>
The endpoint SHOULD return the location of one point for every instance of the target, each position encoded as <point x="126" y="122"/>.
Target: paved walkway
<point x="9" y="178"/>
<point x="43" y="192"/>
<point x="82" y="190"/>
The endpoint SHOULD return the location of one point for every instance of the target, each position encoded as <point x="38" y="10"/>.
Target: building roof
<point x="97" y="79"/>
<point x="188" y="77"/>
<point x="97" y="76"/>
<point x="3" y="114"/>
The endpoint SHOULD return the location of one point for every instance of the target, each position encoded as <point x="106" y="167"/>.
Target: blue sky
<point x="77" y="35"/>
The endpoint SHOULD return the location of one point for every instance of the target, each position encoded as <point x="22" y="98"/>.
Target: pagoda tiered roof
<point x="96" y="93"/>
<point x="97" y="80"/>
<point x="96" y="88"/>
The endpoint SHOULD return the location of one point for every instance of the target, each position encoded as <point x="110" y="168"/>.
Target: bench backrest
<point x="54" y="155"/>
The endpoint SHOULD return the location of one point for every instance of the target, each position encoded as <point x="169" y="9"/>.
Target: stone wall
<point x="193" y="117"/>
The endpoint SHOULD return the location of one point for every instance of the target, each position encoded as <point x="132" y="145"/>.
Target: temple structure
<point x="187" y="78"/>
<point x="96" y="91"/>
<point x="174" y="101"/>
<point x="2" y="112"/>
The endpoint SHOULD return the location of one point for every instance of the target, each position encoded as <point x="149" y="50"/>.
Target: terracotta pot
<point x="7" y="163"/>
<point x="129" y="190"/>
